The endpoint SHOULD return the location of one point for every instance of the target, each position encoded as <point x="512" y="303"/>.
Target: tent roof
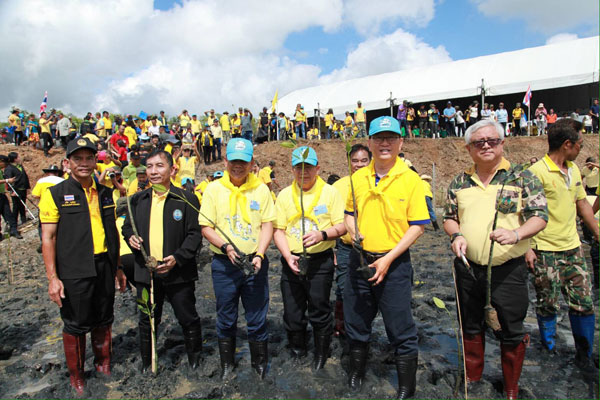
<point x="544" y="67"/>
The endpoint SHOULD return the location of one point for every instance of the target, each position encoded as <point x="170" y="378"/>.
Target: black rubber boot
<point x="322" y="342"/>
<point x="358" y="364"/>
<point x="297" y="344"/>
<point x="259" y="357"/>
<point x="435" y="225"/>
<point x="193" y="345"/>
<point x="145" y="348"/>
<point x="407" y="375"/>
<point x="227" y="354"/>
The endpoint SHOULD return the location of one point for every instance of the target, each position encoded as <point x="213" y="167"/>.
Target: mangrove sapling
<point x="147" y="307"/>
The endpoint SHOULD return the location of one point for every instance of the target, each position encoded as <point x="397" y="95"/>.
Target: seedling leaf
<point x="439" y="303"/>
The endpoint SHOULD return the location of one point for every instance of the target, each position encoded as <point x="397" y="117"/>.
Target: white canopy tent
<point x="545" y="67"/>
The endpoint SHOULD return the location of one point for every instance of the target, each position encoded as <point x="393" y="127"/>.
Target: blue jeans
<point x="217" y="149"/>
<point x="430" y="208"/>
<point x="392" y="297"/>
<point x="229" y="285"/>
<point x="247" y="135"/>
<point x="301" y="131"/>
<point x="343" y="258"/>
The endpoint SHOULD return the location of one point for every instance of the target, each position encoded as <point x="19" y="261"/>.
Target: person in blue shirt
<point x="449" y="114"/>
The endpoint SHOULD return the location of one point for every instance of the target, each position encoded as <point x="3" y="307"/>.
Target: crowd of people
<point x="125" y="207"/>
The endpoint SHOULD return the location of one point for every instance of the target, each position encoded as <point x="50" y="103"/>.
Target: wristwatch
<point x="224" y="248"/>
<point x="324" y="235"/>
<point x="454" y="236"/>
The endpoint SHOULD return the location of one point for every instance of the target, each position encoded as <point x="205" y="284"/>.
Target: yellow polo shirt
<point x="131" y="135"/>
<point x="101" y="167"/>
<point x="591" y="176"/>
<point x="265" y="175"/>
<point x="216" y="206"/>
<point x="184" y="120"/>
<point x="328" y="120"/>
<point x="49" y="215"/>
<point x="187" y="168"/>
<point x="123" y="247"/>
<point x="562" y="191"/>
<point x="343" y="186"/>
<point x="224" y="121"/>
<point x="156" y="225"/>
<point x="100" y="128"/>
<point x="327" y="212"/>
<point x="44" y="125"/>
<point x="107" y="123"/>
<point x="196" y="126"/>
<point x="386" y="210"/>
<point x="202" y="186"/>
<point x="360" y="113"/>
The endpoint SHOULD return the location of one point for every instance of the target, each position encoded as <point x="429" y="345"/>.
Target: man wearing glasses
<point x="556" y="258"/>
<point x="493" y="189"/>
<point x="392" y="213"/>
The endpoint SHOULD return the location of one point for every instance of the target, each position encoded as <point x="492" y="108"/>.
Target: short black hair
<point x="163" y="153"/>
<point x="332" y="179"/>
<point x="3" y="158"/>
<point x="360" y="147"/>
<point x="12" y="156"/>
<point x="561" y="131"/>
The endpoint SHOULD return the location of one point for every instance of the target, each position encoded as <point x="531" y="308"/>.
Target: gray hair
<point x="483" y="124"/>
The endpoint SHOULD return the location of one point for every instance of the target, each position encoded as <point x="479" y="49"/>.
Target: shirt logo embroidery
<point x="177" y="215"/>
<point x="320" y="209"/>
<point x="254" y="205"/>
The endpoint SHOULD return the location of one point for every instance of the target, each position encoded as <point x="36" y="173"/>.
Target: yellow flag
<point x="274" y="102"/>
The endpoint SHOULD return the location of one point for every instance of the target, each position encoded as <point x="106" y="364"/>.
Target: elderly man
<point x="63" y="125"/>
<point x="557" y="259"/>
<point x="391" y="214"/>
<point x="493" y="191"/>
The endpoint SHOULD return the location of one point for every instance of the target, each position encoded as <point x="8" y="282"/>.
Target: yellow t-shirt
<point x="131" y="135"/>
<point x="132" y="188"/>
<point x="224" y="121"/>
<point x="516" y="113"/>
<point x="100" y="128"/>
<point x="562" y="192"/>
<point x="15" y="121"/>
<point x="265" y="175"/>
<point x="348" y="121"/>
<point x="427" y="189"/>
<point x="386" y="211"/>
<point x="184" y="120"/>
<point x="300" y="116"/>
<point x="328" y="211"/>
<point x="328" y="120"/>
<point x="101" y="167"/>
<point x="343" y="186"/>
<point x="196" y="126"/>
<point x="91" y="137"/>
<point x="49" y="215"/>
<point x="169" y="148"/>
<point x="216" y="205"/>
<point x="360" y="114"/>
<point x="313" y="133"/>
<point x="44" y="125"/>
<point x="187" y="168"/>
<point x="156" y="225"/>
<point x="107" y="123"/>
<point x="202" y="186"/>
<point x="591" y="176"/>
<point x="44" y="183"/>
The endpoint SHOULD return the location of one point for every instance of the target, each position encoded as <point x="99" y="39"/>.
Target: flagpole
<point x="529" y="118"/>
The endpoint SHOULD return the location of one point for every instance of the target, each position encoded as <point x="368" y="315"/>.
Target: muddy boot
<point x="435" y="225"/>
<point x="582" y="327"/>
<point x="193" y="345"/>
<point x="358" y="365"/>
<point x="297" y="344"/>
<point x="322" y="342"/>
<point x="339" y="319"/>
<point x="259" y="357"/>
<point x="474" y="351"/>
<point x="407" y="375"/>
<point x="75" y="355"/>
<point x="145" y="349"/>
<point x="512" y="363"/>
<point x="547" y="326"/>
<point x="102" y="347"/>
<point x="227" y="354"/>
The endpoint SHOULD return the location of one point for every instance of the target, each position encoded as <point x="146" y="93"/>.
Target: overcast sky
<point x="132" y="55"/>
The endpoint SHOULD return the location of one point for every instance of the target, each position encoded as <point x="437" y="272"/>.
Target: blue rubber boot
<point x="582" y="327"/>
<point x="547" y="327"/>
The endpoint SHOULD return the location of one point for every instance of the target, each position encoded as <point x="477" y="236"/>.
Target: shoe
<point x="297" y="344"/>
<point x="547" y="326"/>
<point x="406" y="366"/>
<point x="16" y="235"/>
<point x="145" y="348"/>
<point x="358" y="364"/>
<point x="193" y="345"/>
<point x="322" y="343"/>
<point x="474" y="352"/>
<point x="102" y="348"/>
<point x="339" y="329"/>
<point x="512" y="364"/>
<point x="435" y="225"/>
<point x="75" y="354"/>
<point x="227" y="355"/>
<point x="39" y="249"/>
<point x="583" y="327"/>
<point x="259" y="357"/>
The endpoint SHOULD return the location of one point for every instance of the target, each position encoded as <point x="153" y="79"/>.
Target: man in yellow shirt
<point x="493" y="189"/>
<point x="196" y="125"/>
<point x="45" y="134"/>
<point x="348" y="123"/>
<point x="517" y="114"/>
<point x="186" y="163"/>
<point x="556" y="258"/>
<point x="360" y="119"/>
<point x="391" y="214"/>
<point x="15" y="126"/>
<point x="306" y="244"/>
<point x="52" y="176"/>
<point x="300" y="117"/>
<point x="166" y="218"/>
<point x="225" y="126"/>
<point x="236" y="124"/>
<point x="80" y="246"/>
<point x="184" y="119"/>
<point x="107" y="124"/>
<point x="240" y="205"/>
<point x="429" y="199"/>
<point x="360" y="156"/>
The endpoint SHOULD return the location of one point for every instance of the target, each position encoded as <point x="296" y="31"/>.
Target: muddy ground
<point x="32" y="361"/>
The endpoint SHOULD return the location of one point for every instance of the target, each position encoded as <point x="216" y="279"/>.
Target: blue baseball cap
<point x="311" y="157"/>
<point x="384" y="124"/>
<point x="218" y="174"/>
<point x="239" y="149"/>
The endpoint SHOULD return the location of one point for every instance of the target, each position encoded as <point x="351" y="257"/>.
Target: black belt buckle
<point x="372" y="257"/>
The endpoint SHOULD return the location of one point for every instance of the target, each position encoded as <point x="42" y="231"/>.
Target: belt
<point x="100" y="256"/>
<point x="371" y="257"/>
<point x="250" y="256"/>
<point x="316" y="256"/>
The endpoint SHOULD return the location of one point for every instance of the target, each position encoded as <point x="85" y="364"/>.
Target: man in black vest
<point x="157" y="211"/>
<point x="80" y="246"/>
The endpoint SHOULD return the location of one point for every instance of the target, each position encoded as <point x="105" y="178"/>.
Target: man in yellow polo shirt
<point x="556" y="258"/>
<point x="240" y="205"/>
<point x="360" y="156"/>
<point x="80" y="246"/>
<point x="166" y="218"/>
<point x="307" y="253"/>
<point x="186" y="163"/>
<point x="225" y="126"/>
<point x="392" y="213"/>
<point x="492" y="187"/>
<point x="360" y="119"/>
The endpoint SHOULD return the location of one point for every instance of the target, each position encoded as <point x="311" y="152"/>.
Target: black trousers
<point x="88" y="302"/>
<point x="509" y="297"/>
<point x="47" y="142"/>
<point x="127" y="262"/>
<point x="182" y="299"/>
<point x="18" y="206"/>
<point x="7" y="214"/>
<point x="310" y="293"/>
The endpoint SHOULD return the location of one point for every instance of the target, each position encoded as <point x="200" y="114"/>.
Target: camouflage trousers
<point x="566" y="272"/>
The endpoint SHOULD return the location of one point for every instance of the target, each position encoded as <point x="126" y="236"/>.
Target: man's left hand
<point x="504" y="236"/>
<point x="257" y="262"/>
<point x="167" y="264"/>
<point x="312" y="238"/>
<point x="120" y="281"/>
<point x="381" y="266"/>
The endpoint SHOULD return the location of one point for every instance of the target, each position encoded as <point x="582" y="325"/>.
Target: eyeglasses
<point x="381" y="139"/>
<point x="580" y="143"/>
<point x="491" y="142"/>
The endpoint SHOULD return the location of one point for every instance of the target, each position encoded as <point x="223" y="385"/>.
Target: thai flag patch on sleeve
<point x="69" y="197"/>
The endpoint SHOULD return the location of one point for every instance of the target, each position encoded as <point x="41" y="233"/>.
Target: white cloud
<point x="561" y="37"/>
<point x="546" y="16"/>
<point x="323" y="50"/>
<point x="367" y="17"/>
<point x="396" y="51"/>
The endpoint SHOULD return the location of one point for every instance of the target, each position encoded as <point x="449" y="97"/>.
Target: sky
<point x="126" y="56"/>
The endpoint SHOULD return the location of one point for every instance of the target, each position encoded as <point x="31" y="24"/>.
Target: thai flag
<point x="527" y="98"/>
<point x="44" y="103"/>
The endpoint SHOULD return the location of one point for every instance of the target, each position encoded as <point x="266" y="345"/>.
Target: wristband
<point x="324" y="235"/>
<point x="454" y="236"/>
<point x="262" y="257"/>
<point x="517" y="234"/>
<point x="224" y="248"/>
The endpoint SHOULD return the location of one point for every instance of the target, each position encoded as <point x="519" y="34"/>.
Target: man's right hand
<point x="135" y="242"/>
<point x="232" y="254"/>
<point x="56" y="290"/>
<point x="530" y="259"/>
<point x="459" y="246"/>
<point x="292" y="261"/>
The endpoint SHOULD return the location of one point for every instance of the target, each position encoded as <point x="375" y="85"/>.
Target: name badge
<point x="254" y="205"/>
<point x="320" y="209"/>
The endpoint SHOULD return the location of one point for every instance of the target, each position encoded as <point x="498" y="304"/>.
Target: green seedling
<point x="147" y="307"/>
